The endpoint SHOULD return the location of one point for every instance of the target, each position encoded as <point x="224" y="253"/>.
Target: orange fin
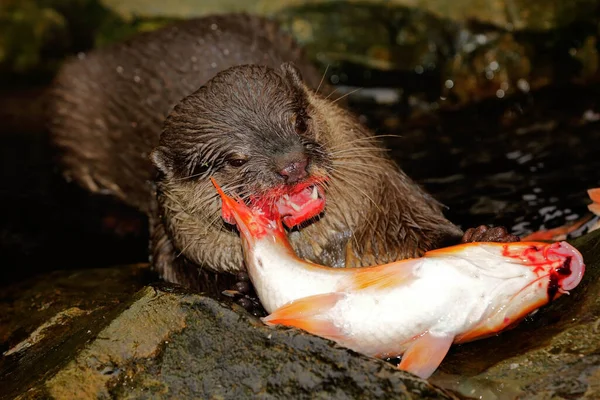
<point x="425" y="354"/>
<point x="384" y="276"/>
<point x="555" y="234"/>
<point x="595" y="196"/>
<point x="307" y="314"/>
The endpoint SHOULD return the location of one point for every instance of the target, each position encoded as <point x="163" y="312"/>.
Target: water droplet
<point x="226" y="52"/>
<point x="572" y="51"/>
<point x="81" y="55"/>
<point x="137" y="79"/>
<point x="546" y="210"/>
<point x="529" y="197"/>
<point x="214" y="27"/>
<point x="120" y="69"/>
<point x="500" y="93"/>
<point x="334" y="79"/>
<point x="213" y="65"/>
<point x="525" y="158"/>
<point x="489" y="74"/>
<point x="469" y="47"/>
<point x="419" y="69"/>
<point x="193" y="59"/>
<point x="494" y="66"/>
<point x="514" y="155"/>
<point x="523" y="85"/>
<point x="504" y="86"/>
<point x="591" y="116"/>
<point x="449" y="84"/>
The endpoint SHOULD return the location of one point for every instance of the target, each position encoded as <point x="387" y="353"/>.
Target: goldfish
<point x="415" y="308"/>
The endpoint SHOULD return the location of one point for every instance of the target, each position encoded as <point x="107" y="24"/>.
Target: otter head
<point x="254" y="130"/>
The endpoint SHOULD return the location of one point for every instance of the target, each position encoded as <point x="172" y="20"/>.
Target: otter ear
<point x="161" y="161"/>
<point x="292" y="74"/>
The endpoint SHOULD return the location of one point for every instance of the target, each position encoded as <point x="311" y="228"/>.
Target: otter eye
<point x="301" y="124"/>
<point x="199" y="169"/>
<point x="236" y="162"/>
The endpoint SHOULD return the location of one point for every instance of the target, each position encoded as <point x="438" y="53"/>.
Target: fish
<point x="415" y="308"/>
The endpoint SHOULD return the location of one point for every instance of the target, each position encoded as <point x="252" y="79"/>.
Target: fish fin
<point x="384" y="276"/>
<point x="306" y="314"/>
<point x="595" y="196"/>
<point x="425" y="354"/>
<point x="559" y="233"/>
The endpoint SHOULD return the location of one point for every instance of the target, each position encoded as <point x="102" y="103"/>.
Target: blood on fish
<point x="552" y="287"/>
<point x="565" y="269"/>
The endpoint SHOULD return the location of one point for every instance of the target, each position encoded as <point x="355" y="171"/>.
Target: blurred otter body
<point x="230" y="106"/>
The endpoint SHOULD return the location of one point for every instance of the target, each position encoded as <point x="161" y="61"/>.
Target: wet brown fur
<point x="109" y="109"/>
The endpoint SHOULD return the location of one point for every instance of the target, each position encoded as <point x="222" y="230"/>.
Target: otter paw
<point x="248" y="298"/>
<point x="484" y="233"/>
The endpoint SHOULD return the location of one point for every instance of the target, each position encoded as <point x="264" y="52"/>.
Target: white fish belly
<point x="442" y="300"/>
<point x="279" y="280"/>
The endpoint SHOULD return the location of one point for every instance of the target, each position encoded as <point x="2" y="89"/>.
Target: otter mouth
<point x="304" y="202"/>
<point x="293" y="204"/>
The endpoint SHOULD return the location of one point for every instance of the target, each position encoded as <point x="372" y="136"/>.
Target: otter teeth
<point x="295" y="206"/>
<point x="314" y="195"/>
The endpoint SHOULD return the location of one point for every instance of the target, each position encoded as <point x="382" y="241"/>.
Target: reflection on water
<point x="524" y="162"/>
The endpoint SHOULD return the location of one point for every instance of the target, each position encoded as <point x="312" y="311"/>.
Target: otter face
<point x="253" y="130"/>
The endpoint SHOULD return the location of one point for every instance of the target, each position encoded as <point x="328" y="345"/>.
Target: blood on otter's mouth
<point x="301" y="204"/>
<point x="293" y="204"/>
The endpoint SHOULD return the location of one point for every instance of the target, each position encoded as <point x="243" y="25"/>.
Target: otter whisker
<point x="355" y="152"/>
<point x="370" y="138"/>
<point x="357" y="167"/>
<point x="322" y="79"/>
<point x="329" y="95"/>
<point x="348" y="182"/>
<point x="346" y="95"/>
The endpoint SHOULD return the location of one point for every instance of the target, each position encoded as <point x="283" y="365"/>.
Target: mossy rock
<point x="97" y="337"/>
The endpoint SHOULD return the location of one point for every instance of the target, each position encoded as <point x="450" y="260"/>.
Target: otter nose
<point x="295" y="170"/>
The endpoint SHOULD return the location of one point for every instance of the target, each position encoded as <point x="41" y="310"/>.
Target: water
<point x="524" y="162"/>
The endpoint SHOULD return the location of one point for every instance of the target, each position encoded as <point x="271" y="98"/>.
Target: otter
<point x="151" y="119"/>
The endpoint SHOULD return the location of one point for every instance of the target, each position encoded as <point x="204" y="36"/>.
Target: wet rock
<point x="518" y="15"/>
<point x="460" y="51"/>
<point x="164" y="343"/>
<point x="553" y="354"/>
<point x="464" y="50"/>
